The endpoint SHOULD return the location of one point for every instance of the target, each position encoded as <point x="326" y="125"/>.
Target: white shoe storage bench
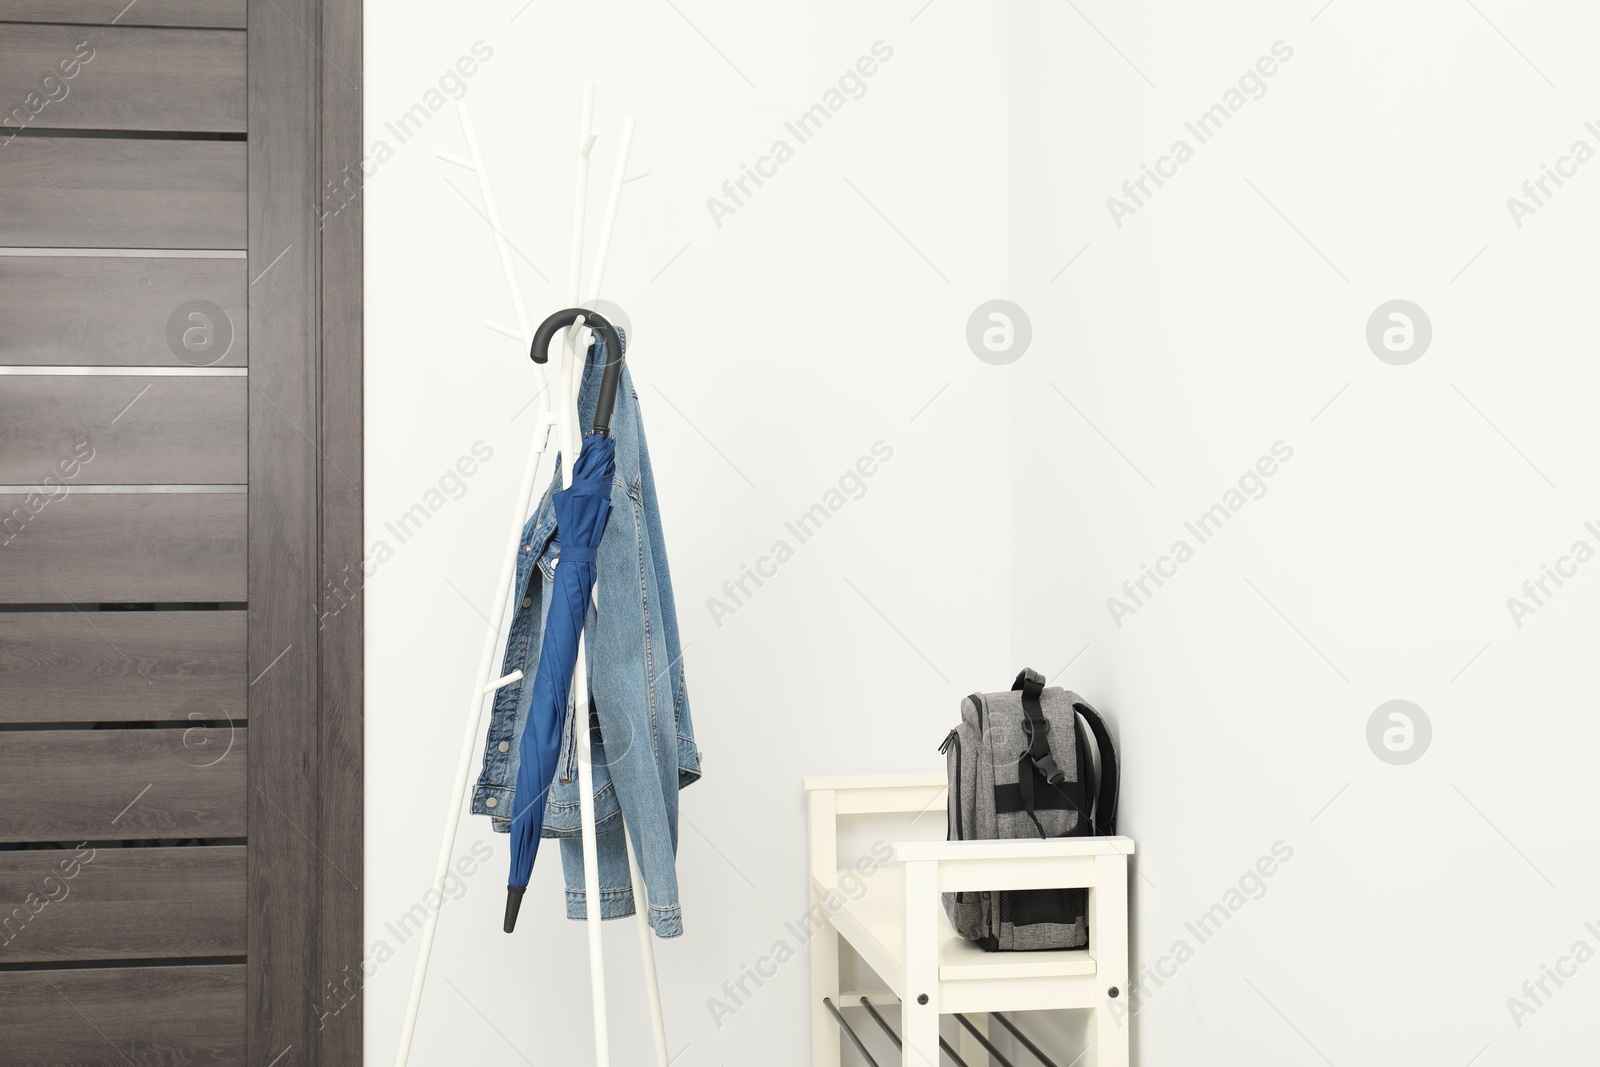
<point x="894" y="919"/>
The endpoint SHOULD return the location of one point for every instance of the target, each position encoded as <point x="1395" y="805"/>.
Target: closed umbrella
<point x="582" y="510"/>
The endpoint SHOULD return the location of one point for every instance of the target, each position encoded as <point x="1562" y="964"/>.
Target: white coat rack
<point x="565" y="420"/>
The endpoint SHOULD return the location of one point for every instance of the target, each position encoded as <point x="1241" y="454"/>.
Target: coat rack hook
<point x="500" y="683"/>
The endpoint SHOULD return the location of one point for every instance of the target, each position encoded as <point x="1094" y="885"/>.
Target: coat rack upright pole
<point x="482" y="689"/>
<point x="570" y="439"/>
<point x="577" y="346"/>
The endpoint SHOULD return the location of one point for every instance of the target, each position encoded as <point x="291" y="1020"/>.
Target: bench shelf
<point x="893" y="917"/>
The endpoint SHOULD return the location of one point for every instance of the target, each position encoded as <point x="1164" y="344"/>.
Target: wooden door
<point x="180" y="463"/>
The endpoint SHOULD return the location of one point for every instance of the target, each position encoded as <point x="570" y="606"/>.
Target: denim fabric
<point x="644" y="750"/>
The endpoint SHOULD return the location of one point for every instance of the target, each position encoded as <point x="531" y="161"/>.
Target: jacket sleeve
<point x="688" y="750"/>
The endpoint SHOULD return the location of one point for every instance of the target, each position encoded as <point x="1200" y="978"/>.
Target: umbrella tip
<point x="513" y="905"/>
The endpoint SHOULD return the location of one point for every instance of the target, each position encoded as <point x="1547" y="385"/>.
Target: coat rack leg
<point x="469" y="749"/>
<point x="486" y="664"/>
<point x="647" y="954"/>
<point x="591" y="865"/>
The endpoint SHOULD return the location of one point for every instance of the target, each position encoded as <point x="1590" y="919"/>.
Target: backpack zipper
<point x="953" y="740"/>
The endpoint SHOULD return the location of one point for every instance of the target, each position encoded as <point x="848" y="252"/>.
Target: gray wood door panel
<point x="107" y="192"/>
<point x="305" y="323"/>
<point x="224" y="14"/>
<point x="122" y="785"/>
<point x="133" y="311"/>
<point x="121" y="904"/>
<point x="122" y="548"/>
<point x="338" y="718"/>
<point x="122" y="666"/>
<point x="80" y="757"/>
<point x="122" y="78"/>
<point x="146" y="1016"/>
<point x="123" y="430"/>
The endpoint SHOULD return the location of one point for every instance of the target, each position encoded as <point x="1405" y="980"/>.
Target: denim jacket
<point x="644" y="750"/>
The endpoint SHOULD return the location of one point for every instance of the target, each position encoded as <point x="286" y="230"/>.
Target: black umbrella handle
<point x="613" y="373"/>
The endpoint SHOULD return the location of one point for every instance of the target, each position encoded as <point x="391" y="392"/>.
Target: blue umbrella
<point x="582" y="510"/>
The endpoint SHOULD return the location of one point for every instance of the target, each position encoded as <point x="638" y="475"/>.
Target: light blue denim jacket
<point x="645" y="750"/>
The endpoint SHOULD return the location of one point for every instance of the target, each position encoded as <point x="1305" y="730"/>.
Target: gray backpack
<point x="1022" y="765"/>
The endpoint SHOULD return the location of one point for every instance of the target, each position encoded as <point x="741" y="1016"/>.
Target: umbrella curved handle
<point x="613" y="372"/>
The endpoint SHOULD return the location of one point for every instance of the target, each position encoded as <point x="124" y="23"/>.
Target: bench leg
<point x="823" y="860"/>
<point x="919" y="1026"/>
<point x="973" y="1053"/>
<point x="919" y="1011"/>
<point x="825" y="1035"/>
<point x="1108" y="932"/>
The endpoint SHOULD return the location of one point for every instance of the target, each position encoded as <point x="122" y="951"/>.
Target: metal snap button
<point x="492" y="802"/>
<point x="505" y="746"/>
<point x="527" y="601"/>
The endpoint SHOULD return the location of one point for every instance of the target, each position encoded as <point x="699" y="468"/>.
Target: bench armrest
<point x="880" y="794"/>
<point x="983" y="866"/>
<point x="1011" y="849"/>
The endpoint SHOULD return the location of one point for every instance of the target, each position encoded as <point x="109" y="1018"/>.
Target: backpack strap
<point x="1037" y="755"/>
<point x="1104" y="821"/>
<point x="1086" y="772"/>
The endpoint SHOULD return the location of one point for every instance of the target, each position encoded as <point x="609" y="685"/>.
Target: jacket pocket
<point x="563" y="815"/>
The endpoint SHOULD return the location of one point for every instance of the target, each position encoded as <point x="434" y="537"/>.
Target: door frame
<point x="305" y="858"/>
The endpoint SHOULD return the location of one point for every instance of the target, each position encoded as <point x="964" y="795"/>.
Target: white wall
<point x="1228" y="313"/>
<point x="771" y="352"/>
<point x="1378" y="563"/>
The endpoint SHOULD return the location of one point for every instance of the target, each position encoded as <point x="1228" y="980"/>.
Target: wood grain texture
<point x="341" y="719"/>
<point x="305" y="336"/>
<point x="122" y="785"/>
<point x="122" y="666"/>
<point x="121" y="78"/>
<point x="76" y="192"/>
<point x="122" y="430"/>
<point x="222" y="14"/>
<point x="111" y="311"/>
<point x="341" y="829"/>
<point x="117" y="1016"/>
<point x="108" y="903"/>
<point x="92" y="548"/>
<point x="285" y="877"/>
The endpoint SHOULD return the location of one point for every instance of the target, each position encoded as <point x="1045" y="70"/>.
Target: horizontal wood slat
<point x="100" y="192"/>
<point x="122" y="430"/>
<point x="122" y="548"/>
<point x="122" y="666"/>
<point x="121" y="78"/>
<point x="137" y="311"/>
<point x="223" y="14"/>
<point x="117" y="1016"/>
<point x="167" y="783"/>
<point x="109" y="903"/>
